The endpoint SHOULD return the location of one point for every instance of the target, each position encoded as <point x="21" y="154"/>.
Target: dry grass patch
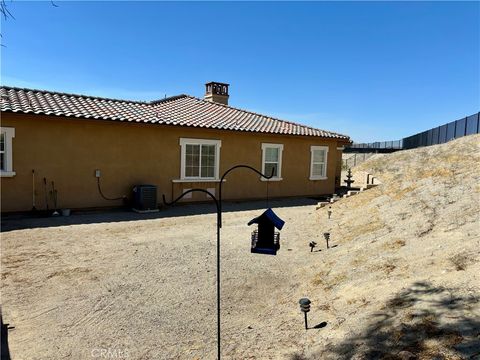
<point x="361" y="199"/>
<point x="436" y="173"/>
<point x="328" y="282"/>
<point x="69" y="273"/>
<point x="319" y="278"/>
<point x="452" y="158"/>
<point x="374" y="165"/>
<point x="370" y="225"/>
<point x="386" y="267"/>
<point x="462" y="260"/>
<point x="358" y="261"/>
<point x="394" y="245"/>
<point x="324" y="307"/>
<point x="359" y="302"/>
<point x="400" y="193"/>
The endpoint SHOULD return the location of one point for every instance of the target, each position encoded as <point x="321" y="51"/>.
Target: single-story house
<point x="82" y="142"/>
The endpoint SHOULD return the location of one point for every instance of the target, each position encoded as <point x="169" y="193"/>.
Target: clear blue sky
<point x="372" y="70"/>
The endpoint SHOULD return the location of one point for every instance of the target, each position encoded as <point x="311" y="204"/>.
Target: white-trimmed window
<point x="272" y="160"/>
<point x="6" y="158"/>
<point x="200" y="159"/>
<point x="318" y="162"/>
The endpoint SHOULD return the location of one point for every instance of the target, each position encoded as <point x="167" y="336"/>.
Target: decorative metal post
<point x="218" y="204"/>
<point x="349" y="180"/>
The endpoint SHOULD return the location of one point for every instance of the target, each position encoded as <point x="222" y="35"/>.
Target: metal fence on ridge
<point x="466" y="126"/>
<point x="397" y="144"/>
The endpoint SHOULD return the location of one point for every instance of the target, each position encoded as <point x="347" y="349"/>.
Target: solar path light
<point x="327" y="237"/>
<point x="329" y="212"/>
<point x="305" y="308"/>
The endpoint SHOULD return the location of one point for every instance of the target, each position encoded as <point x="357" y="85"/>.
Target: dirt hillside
<point x="405" y="277"/>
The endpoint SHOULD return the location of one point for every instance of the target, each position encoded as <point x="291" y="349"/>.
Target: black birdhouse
<point x="265" y="240"/>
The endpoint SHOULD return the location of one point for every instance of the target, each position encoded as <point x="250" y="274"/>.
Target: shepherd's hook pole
<point x="227" y="172"/>
<point x="218" y="281"/>
<point x="218" y="204"/>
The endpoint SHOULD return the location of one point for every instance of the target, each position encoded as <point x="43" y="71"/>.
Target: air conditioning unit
<point x="145" y="198"/>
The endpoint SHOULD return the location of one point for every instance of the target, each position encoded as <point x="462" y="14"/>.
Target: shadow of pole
<point x="320" y="326"/>
<point x="5" y="351"/>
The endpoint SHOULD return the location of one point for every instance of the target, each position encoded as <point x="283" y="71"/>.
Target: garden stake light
<point x="329" y="212"/>
<point x="327" y="237"/>
<point x="305" y="308"/>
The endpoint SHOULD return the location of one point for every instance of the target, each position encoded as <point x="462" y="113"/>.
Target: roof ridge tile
<point x="179" y="110"/>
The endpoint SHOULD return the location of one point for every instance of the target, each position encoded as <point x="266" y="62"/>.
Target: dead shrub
<point x="388" y="268"/>
<point x="462" y="260"/>
<point x="396" y="244"/>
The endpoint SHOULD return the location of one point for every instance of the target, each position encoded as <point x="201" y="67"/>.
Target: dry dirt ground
<point x="402" y="281"/>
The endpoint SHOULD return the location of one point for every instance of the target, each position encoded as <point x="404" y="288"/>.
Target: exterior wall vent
<point x="145" y="198"/>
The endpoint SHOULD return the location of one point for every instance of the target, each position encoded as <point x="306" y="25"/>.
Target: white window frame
<point x="187" y="141"/>
<point x="312" y="150"/>
<point x="9" y="134"/>
<point x="280" y="156"/>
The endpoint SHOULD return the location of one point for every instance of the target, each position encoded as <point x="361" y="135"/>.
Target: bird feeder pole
<point x="218" y="205"/>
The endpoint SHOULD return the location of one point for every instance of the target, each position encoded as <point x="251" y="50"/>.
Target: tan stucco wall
<point x="68" y="151"/>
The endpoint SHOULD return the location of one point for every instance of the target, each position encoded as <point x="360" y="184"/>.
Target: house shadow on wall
<point x="30" y="221"/>
<point x="420" y="322"/>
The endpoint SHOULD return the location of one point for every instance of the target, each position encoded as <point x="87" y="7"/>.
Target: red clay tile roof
<point x="181" y="110"/>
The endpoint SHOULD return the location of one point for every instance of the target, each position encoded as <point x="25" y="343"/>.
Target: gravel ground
<point x="148" y="287"/>
<point x="402" y="279"/>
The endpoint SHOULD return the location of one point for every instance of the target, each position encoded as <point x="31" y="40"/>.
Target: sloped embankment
<point x="404" y="280"/>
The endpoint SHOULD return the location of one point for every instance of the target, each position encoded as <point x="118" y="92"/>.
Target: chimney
<point x="216" y="92"/>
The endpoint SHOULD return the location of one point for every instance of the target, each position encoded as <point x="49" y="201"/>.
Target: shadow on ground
<point x="29" y="221"/>
<point x="420" y="322"/>
<point x="5" y="352"/>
